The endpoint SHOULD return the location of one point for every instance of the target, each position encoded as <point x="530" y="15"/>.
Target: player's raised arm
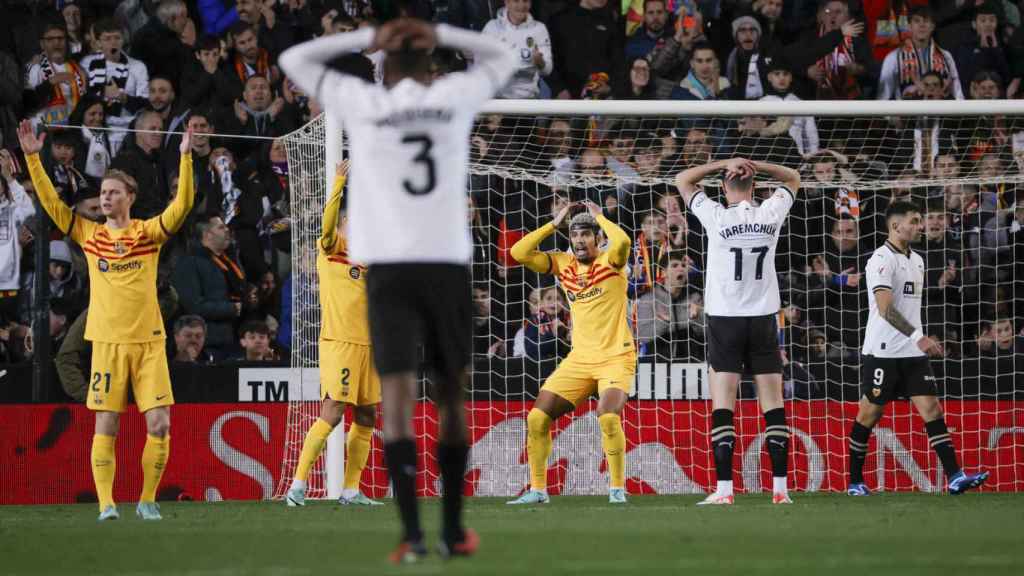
<point x="492" y="58"/>
<point x="306" y="63"/>
<point x="687" y="180"/>
<point x="787" y="176"/>
<point x="171" y="219"/>
<point x="618" y="241"/>
<point x="329" y="237"/>
<point x="31" y="144"/>
<point x="525" y="250"/>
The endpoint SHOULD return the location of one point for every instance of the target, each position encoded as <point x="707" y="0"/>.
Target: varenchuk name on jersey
<point x="415" y="115"/>
<point x="766" y="229"/>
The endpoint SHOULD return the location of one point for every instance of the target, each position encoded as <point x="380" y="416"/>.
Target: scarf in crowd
<point x="77" y="87"/>
<point x="262" y="66"/>
<point x="836" y="81"/>
<point x="891" y="32"/>
<point x="97" y="158"/>
<point x="642" y="260"/>
<point x="101" y="72"/>
<point x="260" y="120"/>
<point x="847" y="203"/>
<point x="231" y="193"/>
<point x="912" y="68"/>
<point x="698" y="88"/>
<point x="232" y="275"/>
<point x="280" y="170"/>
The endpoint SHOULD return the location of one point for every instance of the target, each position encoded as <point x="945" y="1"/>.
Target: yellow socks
<point x="613" y="440"/>
<point x="538" y="447"/>
<point x="154" y="460"/>
<point x="311" y="448"/>
<point x="103" y="468"/>
<point x="357" y="450"/>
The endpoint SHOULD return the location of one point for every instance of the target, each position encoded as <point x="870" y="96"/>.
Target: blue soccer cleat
<point x="358" y="500"/>
<point x="963" y="482"/>
<point x="858" y="489"/>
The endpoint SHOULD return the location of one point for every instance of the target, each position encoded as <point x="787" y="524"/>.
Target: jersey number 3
<point x="423" y="157"/>
<point x="761" y="251"/>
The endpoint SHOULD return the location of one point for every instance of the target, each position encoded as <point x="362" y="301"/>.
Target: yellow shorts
<point x="575" y="380"/>
<point x="115" y="365"/>
<point x="347" y="373"/>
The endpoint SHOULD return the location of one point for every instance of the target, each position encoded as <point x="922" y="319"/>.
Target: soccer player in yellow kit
<point x="603" y="355"/>
<point x="347" y="373"/>
<point x="124" y="324"/>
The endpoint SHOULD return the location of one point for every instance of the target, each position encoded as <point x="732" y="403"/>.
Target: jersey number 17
<point x="761" y="252"/>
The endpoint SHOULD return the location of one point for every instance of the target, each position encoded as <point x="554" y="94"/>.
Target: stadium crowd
<point x="83" y="70"/>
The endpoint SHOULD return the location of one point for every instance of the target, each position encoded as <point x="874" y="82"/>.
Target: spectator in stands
<point x="802" y="129"/>
<point x="140" y="157"/>
<point x="703" y="81"/>
<point x="273" y="34"/>
<point x="546" y="333"/>
<point x="72" y="360"/>
<point x="199" y="79"/>
<point x="254" y="338"/>
<point x="123" y="82"/>
<point x="56" y="82"/>
<point x="887" y="24"/>
<point x="840" y="271"/>
<point x="259" y="113"/>
<point x="775" y="30"/>
<point x="903" y="69"/>
<point x="472" y="14"/>
<point x="71" y="14"/>
<point x="516" y="28"/>
<point x="87" y="204"/>
<point x="163" y="99"/>
<point x="209" y="284"/>
<point x="249" y="59"/>
<point x="663" y="313"/>
<point x="620" y="149"/>
<point x="943" y="255"/>
<point x="15" y="206"/>
<point x="670" y="60"/>
<point x="649" y="252"/>
<point x="11" y="98"/>
<point x="743" y="68"/>
<point x="65" y="283"/>
<point x="983" y="50"/>
<point x="837" y="59"/>
<point x="587" y="40"/>
<point x="159" y="44"/>
<point x="190" y="340"/>
<point x="95" y="150"/>
<point x="641" y="86"/>
<point x="653" y="32"/>
<point x="61" y="161"/>
<point x="488" y="334"/>
<point x="243" y="205"/>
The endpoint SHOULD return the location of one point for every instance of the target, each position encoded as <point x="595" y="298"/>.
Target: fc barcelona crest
<point x="119" y="248"/>
<point x="354" y="272"/>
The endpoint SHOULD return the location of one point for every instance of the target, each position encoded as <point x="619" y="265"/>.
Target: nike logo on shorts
<point x="158" y="398"/>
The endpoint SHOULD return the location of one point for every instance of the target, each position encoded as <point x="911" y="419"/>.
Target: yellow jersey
<point x="597" y="292"/>
<point x="343" y="307"/>
<point x="598" y="303"/>
<point x="123" y="306"/>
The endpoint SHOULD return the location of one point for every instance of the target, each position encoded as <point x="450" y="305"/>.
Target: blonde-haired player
<point x="347" y="373"/>
<point x="603" y="356"/>
<point x="124" y="324"/>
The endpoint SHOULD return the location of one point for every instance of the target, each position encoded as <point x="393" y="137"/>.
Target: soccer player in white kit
<point x="741" y="298"/>
<point x="894" y="361"/>
<point x="409" y="146"/>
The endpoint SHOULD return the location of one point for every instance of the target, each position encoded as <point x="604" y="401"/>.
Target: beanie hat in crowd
<point x="59" y="251"/>
<point x="748" y="20"/>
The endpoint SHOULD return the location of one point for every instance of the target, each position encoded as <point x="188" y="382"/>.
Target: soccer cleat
<point x="467" y="547"/>
<point x="148" y="511"/>
<point x="859" y="489"/>
<point x="716" y="499"/>
<point x="109" y="513"/>
<point x="408" y="553"/>
<point x="617" y="496"/>
<point x="358" y="500"/>
<point x="295" y="497"/>
<point x="781" y="498"/>
<point x="963" y="482"/>
<point x="532" y="497"/>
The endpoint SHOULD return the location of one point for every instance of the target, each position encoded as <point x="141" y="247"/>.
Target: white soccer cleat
<point x="358" y="500"/>
<point x="109" y="513"/>
<point x="532" y="497"/>
<point x="295" y="497"/>
<point x="617" y="496"/>
<point x="148" y="511"/>
<point x="781" y="498"/>
<point x="716" y="499"/>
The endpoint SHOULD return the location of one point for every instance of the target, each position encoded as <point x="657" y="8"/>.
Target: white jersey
<point x="904" y="275"/>
<point x="409" y="147"/>
<point x="740" y="278"/>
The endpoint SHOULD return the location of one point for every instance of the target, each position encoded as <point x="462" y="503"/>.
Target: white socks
<point x="779" y="485"/>
<point x="298" y="484"/>
<point x="349" y="493"/>
<point x="724" y="488"/>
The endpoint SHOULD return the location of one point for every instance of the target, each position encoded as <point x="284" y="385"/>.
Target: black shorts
<point x="413" y="305"/>
<point x="744" y="344"/>
<point x="885" y="379"/>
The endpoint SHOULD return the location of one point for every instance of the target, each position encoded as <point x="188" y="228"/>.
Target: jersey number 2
<point x="424" y="157"/>
<point x="761" y="252"/>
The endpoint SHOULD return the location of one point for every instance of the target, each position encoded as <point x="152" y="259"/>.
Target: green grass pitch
<point x="821" y="534"/>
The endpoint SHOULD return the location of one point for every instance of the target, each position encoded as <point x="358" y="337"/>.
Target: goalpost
<point x="962" y="158"/>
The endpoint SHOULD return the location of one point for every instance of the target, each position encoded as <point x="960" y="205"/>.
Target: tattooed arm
<point x="883" y="297"/>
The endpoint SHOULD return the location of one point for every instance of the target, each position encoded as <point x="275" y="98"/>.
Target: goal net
<point x="962" y="163"/>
